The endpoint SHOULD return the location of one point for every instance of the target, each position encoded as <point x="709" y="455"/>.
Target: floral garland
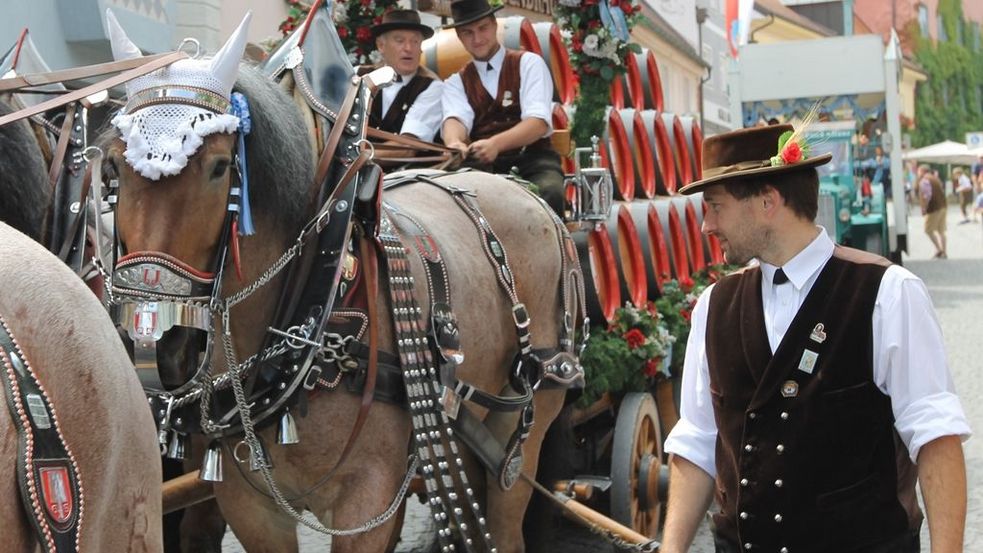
<point x="627" y="355"/>
<point x="597" y="35"/>
<point x="353" y="20"/>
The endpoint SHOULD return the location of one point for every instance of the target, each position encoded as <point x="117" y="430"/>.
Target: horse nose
<point x="177" y="357"/>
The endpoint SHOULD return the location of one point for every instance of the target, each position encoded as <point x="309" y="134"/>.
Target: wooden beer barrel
<point x="556" y="55"/>
<point x="642" y="153"/>
<point x="444" y="54"/>
<point x="596" y="255"/>
<point x="632" y="84"/>
<point x="617" y="94"/>
<point x="632" y="280"/>
<point x="616" y="156"/>
<point x="658" y="269"/>
<point x="662" y="156"/>
<point x="694" y="143"/>
<point x="672" y="230"/>
<point x="648" y="68"/>
<point x="677" y="141"/>
<point x="561" y="122"/>
<point x="694" y="235"/>
<point x="711" y="246"/>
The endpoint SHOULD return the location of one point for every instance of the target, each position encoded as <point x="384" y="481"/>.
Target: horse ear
<point x="123" y="47"/>
<point x="225" y="64"/>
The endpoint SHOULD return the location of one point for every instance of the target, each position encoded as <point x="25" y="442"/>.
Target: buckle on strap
<point x="520" y="315"/>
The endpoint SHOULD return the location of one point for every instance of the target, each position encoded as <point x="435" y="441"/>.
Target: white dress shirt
<point x="424" y="117"/>
<point x="909" y="357"/>
<point x="535" y="89"/>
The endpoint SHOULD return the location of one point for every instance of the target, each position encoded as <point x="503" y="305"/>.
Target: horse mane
<point x="278" y="152"/>
<point x="24" y="190"/>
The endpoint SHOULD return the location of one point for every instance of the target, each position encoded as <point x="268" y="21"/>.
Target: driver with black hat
<point x="498" y="108"/>
<point x="411" y="104"/>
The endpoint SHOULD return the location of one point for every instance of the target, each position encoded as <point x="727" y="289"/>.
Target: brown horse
<point x="180" y="218"/>
<point x="68" y="340"/>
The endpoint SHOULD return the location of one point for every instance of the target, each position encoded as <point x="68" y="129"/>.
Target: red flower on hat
<point x="635" y="338"/>
<point x="792" y="152"/>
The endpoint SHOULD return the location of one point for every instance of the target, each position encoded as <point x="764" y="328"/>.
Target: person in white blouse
<point x="815" y="387"/>
<point x="412" y="104"/>
<point x="498" y="108"/>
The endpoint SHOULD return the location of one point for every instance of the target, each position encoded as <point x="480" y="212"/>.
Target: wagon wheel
<point x="636" y="462"/>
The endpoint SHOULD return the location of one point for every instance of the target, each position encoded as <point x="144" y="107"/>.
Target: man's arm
<point x="455" y="135"/>
<point x="458" y="115"/>
<point x="942" y="476"/>
<point x="690" y="492"/>
<point x="525" y="133"/>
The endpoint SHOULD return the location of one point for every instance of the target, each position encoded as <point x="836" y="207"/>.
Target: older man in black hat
<point x="815" y="388"/>
<point x="411" y="105"/>
<point x="498" y="108"/>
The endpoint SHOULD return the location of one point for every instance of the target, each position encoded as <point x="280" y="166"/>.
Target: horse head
<point x="180" y="156"/>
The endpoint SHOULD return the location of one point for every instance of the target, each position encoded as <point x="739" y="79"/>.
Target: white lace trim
<point x="160" y="139"/>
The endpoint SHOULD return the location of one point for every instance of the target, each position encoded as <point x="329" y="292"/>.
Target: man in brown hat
<point x="410" y="105"/>
<point x="815" y="388"/>
<point x="498" y="108"/>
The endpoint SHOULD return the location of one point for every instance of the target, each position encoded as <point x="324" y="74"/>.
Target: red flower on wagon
<point x="792" y="152"/>
<point x="652" y="367"/>
<point x="635" y="338"/>
<point x="363" y="34"/>
<point x="342" y="32"/>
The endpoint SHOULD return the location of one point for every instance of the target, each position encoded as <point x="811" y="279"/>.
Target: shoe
<point x="964" y="221"/>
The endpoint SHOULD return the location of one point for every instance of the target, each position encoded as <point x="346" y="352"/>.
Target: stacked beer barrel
<point x="652" y="234"/>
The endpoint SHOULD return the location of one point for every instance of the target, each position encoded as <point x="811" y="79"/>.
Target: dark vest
<point x="394" y="118"/>
<point x="495" y="115"/>
<point x="937" y="201"/>
<point x="810" y="462"/>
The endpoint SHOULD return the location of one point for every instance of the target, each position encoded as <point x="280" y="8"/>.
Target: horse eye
<point x="109" y="169"/>
<point x="221" y="167"/>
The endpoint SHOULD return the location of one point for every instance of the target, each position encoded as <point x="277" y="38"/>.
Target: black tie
<point x="399" y="78"/>
<point x="489" y="69"/>
<point x="779" y="278"/>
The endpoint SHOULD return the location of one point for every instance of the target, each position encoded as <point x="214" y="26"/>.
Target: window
<point x="923" y="19"/>
<point x="940" y="28"/>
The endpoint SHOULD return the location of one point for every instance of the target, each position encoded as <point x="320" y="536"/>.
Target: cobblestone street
<point x="956" y="287"/>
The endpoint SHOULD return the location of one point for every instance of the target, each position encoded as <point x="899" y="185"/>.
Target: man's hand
<point x="461" y="147"/>
<point x="485" y="151"/>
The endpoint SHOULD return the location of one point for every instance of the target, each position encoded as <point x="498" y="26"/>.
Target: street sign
<point x="974" y="140"/>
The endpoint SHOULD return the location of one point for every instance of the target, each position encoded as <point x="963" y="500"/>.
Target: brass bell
<point x="211" y="466"/>
<point x="286" y="430"/>
<point x="175" y="449"/>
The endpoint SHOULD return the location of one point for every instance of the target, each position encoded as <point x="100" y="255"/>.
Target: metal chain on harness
<point x="255" y="449"/>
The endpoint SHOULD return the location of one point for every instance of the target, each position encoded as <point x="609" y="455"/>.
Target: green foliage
<point x="948" y="105"/>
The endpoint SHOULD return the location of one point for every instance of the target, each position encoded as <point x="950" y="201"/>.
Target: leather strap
<point x="75" y="73"/>
<point x="47" y="474"/>
<point x="75" y="95"/>
<point x="334" y="137"/>
<point x="58" y="158"/>
<point x="404" y="140"/>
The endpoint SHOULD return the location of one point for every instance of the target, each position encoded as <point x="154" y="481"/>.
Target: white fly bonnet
<point x="169" y="111"/>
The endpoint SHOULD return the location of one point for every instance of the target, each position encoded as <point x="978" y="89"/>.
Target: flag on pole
<point x="738" y="14"/>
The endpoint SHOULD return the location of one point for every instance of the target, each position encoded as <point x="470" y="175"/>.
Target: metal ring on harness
<point x="370" y="145"/>
<point x="193" y="42"/>
<point x="235" y="452"/>
<point x="92" y="153"/>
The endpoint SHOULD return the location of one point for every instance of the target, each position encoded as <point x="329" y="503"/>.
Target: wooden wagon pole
<point x="592" y="519"/>
<point x="184" y="491"/>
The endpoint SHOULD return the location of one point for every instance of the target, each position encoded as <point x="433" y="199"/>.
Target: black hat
<point x="469" y="11"/>
<point x="401" y="19"/>
<point x="749" y="152"/>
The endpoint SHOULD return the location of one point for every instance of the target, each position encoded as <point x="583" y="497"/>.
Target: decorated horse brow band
<point x="198" y="97"/>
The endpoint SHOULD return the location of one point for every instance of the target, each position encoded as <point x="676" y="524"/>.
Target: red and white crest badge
<point x="56" y="493"/>
<point x="145" y="321"/>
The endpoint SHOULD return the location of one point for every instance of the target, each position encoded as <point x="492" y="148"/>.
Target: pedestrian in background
<point x="815" y="389"/>
<point x="964" y="189"/>
<point x="931" y="195"/>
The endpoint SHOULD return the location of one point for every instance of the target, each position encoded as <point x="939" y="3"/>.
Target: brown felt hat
<point x="469" y="11"/>
<point x="408" y="20"/>
<point x="746" y="153"/>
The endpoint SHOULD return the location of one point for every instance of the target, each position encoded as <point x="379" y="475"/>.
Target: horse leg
<point x="258" y="523"/>
<point x="507" y="509"/>
<point x="198" y="528"/>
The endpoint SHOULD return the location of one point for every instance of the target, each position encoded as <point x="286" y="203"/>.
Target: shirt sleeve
<point x="925" y="187"/>
<point x="426" y="113"/>
<point x="694" y="437"/>
<point x="910" y="363"/>
<point x="536" y="90"/>
<point x="454" y="102"/>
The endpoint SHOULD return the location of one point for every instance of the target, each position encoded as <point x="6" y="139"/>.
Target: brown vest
<point x="394" y="118"/>
<point x="495" y="115"/>
<point x="810" y="462"/>
<point x="937" y="201"/>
